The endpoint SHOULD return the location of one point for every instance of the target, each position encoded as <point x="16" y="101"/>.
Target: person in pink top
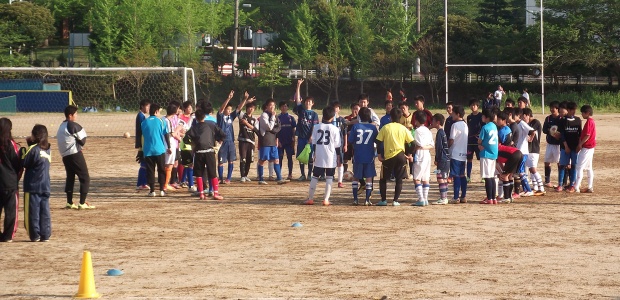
<point x="585" y="149"/>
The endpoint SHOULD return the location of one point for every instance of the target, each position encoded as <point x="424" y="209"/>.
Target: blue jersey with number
<point x="362" y="136"/>
<point x="490" y="142"/>
<point x="306" y="121"/>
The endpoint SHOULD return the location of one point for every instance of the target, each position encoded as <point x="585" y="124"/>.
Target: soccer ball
<point x="553" y="130"/>
<point x="348" y="176"/>
<point x="127" y="135"/>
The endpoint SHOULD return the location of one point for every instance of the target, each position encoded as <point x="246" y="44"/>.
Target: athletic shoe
<point x="7" y="241"/>
<point x="463" y="200"/>
<point x="419" y="203"/>
<point x="192" y="188"/>
<point x="162" y="193"/>
<point x="184" y="184"/>
<point x="262" y="182"/>
<point x="218" y="197"/>
<point x="539" y="193"/>
<point x="227" y="181"/>
<point x="410" y="177"/>
<point x="152" y="194"/>
<point x="487" y="201"/>
<point x="247" y="179"/>
<point x="289" y="178"/>
<point x="37" y="240"/>
<point x="326" y="203"/>
<point x="505" y="201"/>
<point x="515" y="196"/>
<point x="71" y="206"/>
<point x="355" y="203"/>
<point x="395" y="203"/>
<point x="571" y="190"/>
<point x="282" y="181"/>
<point x="468" y="179"/>
<point x="86" y="206"/>
<point x="340" y="185"/>
<point x="586" y="190"/>
<point x="367" y="203"/>
<point x="209" y="194"/>
<point x="142" y="187"/>
<point x="271" y="178"/>
<point x="45" y="240"/>
<point x="527" y="194"/>
<point x="308" y="202"/>
<point x="301" y="178"/>
<point x="454" y="201"/>
<point x="382" y="203"/>
<point x="441" y="202"/>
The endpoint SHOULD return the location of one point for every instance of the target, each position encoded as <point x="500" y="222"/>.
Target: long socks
<point x="443" y="187"/>
<point x="220" y="172"/>
<point x="456" y="184"/>
<point x="463" y="187"/>
<point x="313" y="182"/>
<point x="190" y="176"/>
<point x="260" y="170"/>
<point x="200" y="185"/>
<point x="469" y="167"/>
<point x="216" y="188"/>
<point x="271" y="169"/>
<point x="354" y="187"/>
<point x="534" y="181"/>
<point x="278" y="171"/>
<point x="547" y="174"/>
<point x="425" y="188"/>
<point x="340" y="173"/>
<point x="368" y="191"/>
<point x="302" y="168"/>
<point x="181" y="173"/>
<point x="419" y="191"/>
<point x="507" y="189"/>
<point x="230" y="171"/>
<point x="517" y="184"/>
<point x="142" y="175"/>
<point x="525" y="183"/>
<point x="489" y="187"/>
<point x="561" y="175"/>
<point x="328" y="186"/>
<point x="538" y="178"/>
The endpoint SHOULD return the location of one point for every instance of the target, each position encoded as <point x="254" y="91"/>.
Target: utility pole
<point x="418" y="21"/>
<point x="236" y="39"/>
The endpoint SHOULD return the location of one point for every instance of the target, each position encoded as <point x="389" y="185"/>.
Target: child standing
<point x="422" y="160"/>
<point x="341" y="124"/>
<point x="172" y="126"/>
<point x="386" y="119"/>
<point x="37" y="159"/>
<point x="247" y="139"/>
<point x="286" y="137"/>
<point x="585" y="148"/>
<point x="326" y="139"/>
<point x="550" y="128"/>
<point x="71" y="138"/>
<point x="186" y="165"/>
<point x="458" y="154"/>
<point x="268" y="127"/>
<point x="534" y="149"/>
<point x="474" y="125"/>
<point x="488" y="143"/>
<point x="10" y="171"/>
<point x="570" y="129"/>
<point x="155" y="144"/>
<point x="144" y="110"/>
<point x="227" y="153"/>
<point x="525" y="134"/>
<point x="419" y="105"/>
<point x="307" y="119"/>
<point x="363" y="137"/>
<point x="442" y="158"/>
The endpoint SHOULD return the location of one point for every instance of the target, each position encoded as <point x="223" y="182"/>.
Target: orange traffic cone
<point x="87" y="279"/>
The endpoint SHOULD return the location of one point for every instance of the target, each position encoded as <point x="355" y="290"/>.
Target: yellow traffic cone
<point x="87" y="279"/>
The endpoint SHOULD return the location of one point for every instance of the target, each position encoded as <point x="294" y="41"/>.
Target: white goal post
<point x="541" y="64"/>
<point x="108" y="98"/>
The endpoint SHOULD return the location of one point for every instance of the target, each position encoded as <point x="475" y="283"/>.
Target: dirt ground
<point x="557" y="246"/>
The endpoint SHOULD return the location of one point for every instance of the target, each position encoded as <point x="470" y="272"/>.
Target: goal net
<point x="108" y="98"/>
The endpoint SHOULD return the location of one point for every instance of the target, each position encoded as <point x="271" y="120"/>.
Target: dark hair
<point x="517" y="112"/>
<point x="554" y="104"/>
<point x="309" y="98"/>
<point x="175" y="102"/>
<point x="270" y="100"/>
<point x="186" y="104"/>
<point x="280" y="104"/>
<point x="250" y="105"/>
<point x="39" y="133"/>
<point x="69" y="110"/>
<point x="587" y="109"/>
<point x="5" y="132"/>
<point x="474" y="101"/>
<point x="386" y="102"/>
<point x="200" y="115"/>
<point x="459" y="110"/>
<point x="328" y="113"/>
<point x="522" y="99"/>
<point x="509" y="110"/>
<point x="363" y="96"/>
<point x="420" y="117"/>
<point x="528" y="112"/>
<point x="489" y="114"/>
<point x="354" y="104"/>
<point x="403" y="103"/>
<point x="395" y="114"/>
<point x="206" y="106"/>
<point x="509" y="100"/>
<point x="419" y="98"/>
<point x="502" y="115"/>
<point x="449" y="103"/>
<point x="335" y="104"/>
<point x="439" y="118"/>
<point x="525" y="89"/>
<point x="172" y="108"/>
<point x="571" y="105"/>
<point x="144" y="102"/>
<point x="365" y="115"/>
<point x="154" y="108"/>
<point x="563" y="104"/>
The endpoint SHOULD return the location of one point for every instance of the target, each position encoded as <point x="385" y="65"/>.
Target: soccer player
<point x="155" y="143"/>
<point x="227" y="153"/>
<point x="247" y="139"/>
<point x="487" y="143"/>
<point x="348" y="155"/>
<point x="386" y="119"/>
<point x="363" y="136"/>
<point x="509" y="103"/>
<point x="419" y="105"/>
<point x="144" y="110"/>
<point x="286" y="137"/>
<point x="341" y="123"/>
<point x="71" y="138"/>
<point x="186" y="165"/>
<point x="525" y="134"/>
<point x="552" y="153"/>
<point x="442" y="158"/>
<point x="458" y="154"/>
<point x="394" y="155"/>
<point x="422" y="159"/>
<point x="36" y="161"/>
<point x="534" y="152"/>
<point x="510" y="158"/>
<point x="504" y="133"/>
<point x="449" y="121"/>
<point x="10" y="171"/>
<point x="474" y="125"/>
<point x="268" y="127"/>
<point x="176" y="135"/>
<point x="587" y="142"/>
<point x="570" y="129"/>
<point x="307" y="118"/>
<point x="364" y="101"/>
<point x="326" y="139"/>
<point x="521" y="102"/>
<point x="204" y="136"/>
<point x="406" y="120"/>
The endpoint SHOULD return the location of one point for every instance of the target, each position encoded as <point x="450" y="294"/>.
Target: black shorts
<point x="205" y="162"/>
<point x="395" y="165"/>
<point x="349" y="154"/>
<point x="186" y="157"/>
<point x="512" y="163"/>
<point x="318" y="172"/>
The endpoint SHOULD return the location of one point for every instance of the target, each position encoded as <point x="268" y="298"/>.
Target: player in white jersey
<point x="326" y="139"/>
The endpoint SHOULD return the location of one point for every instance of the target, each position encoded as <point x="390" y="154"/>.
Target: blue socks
<point x="220" y="172"/>
<point x="368" y="190"/>
<point x="260" y="170"/>
<point x="469" y="166"/>
<point x="354" y="187"/>
<point x="456" y="182"/>
<point x="463" y="187"/>
<point x="278" y="169"/>
<point x="230" y="171"/>
<point x="190" y="176"/>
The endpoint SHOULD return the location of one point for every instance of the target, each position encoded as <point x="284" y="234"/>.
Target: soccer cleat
<point x="395" y="203"/>
<point x="152" y="194"/>
<point x="326" y="203"/>
<point x="71" y="206"/>
<point x="210" y="194"/>
<point x="382" y="203"/>
<point x="515" y="196"/>
<point x="247" y="179"/>
<point x="527" y="194"/>
<point x="367" y="203"/>
<point x="218" y="197"/>
<point x="308" y="202"/>
<point x="441" y="202"/>
<point x="282" y="181"/>
<point x="340" y="185"/>
<point x="487" y="201"/>
<point x="86" y="206"/>
<point x="45" y="240"/>
<point x="571" y="189"/>
<point x="454" y="201"/>
<point x="419" y="203"/>
<point x="463" y="200"/>
<point x="36" y="240"/>
<point x="505" y="201"/>
<point x="539" y="193"/>
<point x="262" y="182"/>
<point x="301" y="178"/>
<point x="191" y="188"/>
<point x="586" y="190"/>
<point x="162" y="193"/>
<point x="242" y="179"/>
<point x="202" y="196"/>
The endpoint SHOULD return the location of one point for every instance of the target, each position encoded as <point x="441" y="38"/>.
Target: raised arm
<point x="223" y="107"/>
<point x="246" y="99"/>
<point x="297" y="91"/>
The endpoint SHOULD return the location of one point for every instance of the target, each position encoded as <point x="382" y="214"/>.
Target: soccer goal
<point x="108" y="98"/>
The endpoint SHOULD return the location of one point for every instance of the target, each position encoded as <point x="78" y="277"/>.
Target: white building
<point x="532" y="8"/>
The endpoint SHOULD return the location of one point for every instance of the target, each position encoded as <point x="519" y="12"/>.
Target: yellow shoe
<point x="71" y="206"/>
<point x="86" y="206"/>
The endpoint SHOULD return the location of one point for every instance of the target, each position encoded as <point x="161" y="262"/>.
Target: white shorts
<point x="422" y="170"/>
<point x="170" y="158"/>
<point x="532" y="160"/>
<point x="487" y="167"/>
<point x="552" y="154"/>
<point x="584" y="158"/>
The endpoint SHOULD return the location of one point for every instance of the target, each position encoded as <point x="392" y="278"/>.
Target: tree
<point x="359" y="39"/>
<point x="331" y="54"/>
<point x="301" y="41"/>
<point x="31" y="23"/>
<point x="105" y="38"/>
<point x="270" y="72"/>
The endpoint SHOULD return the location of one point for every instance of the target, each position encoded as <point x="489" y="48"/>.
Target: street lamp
<point x="236" y="36"/>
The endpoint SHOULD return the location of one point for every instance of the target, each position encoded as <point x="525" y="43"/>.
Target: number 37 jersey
<point x="362" y="136"/>
<point x="326" y="138"/>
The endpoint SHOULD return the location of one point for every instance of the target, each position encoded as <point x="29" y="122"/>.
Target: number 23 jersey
<point x="326" y="138"/>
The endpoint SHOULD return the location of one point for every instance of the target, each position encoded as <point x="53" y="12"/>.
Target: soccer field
<point x="558" y="246"/>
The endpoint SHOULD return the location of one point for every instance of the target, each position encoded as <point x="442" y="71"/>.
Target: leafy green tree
<point x="270" y="73"/>
<point x="32" y="24"/>
<point x="359" y="38"/>
<point x="105" y="38"/>
<point x="301" y="42"/>
<point x="332" y="52"/>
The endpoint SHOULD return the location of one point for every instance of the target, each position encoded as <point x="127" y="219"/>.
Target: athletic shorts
<point x="395" y="166"/>
<point x="422" y="170"/>
<point x="532" y="160"/>
<point x="318" y="172"/>
<point x="457" y="168"/>
<point x="471" y="149"/>
<point x="268" y="153"/>
<point x="362" y="170"/>
<point x="171" y="158"/>
<point x="521" y="168"/>
<point x="552" y="154"/>
<point x="444" y="169"/>
<point x="186" y="157"/>
<point x="584" y="158"/>
<point x="227" y="152"/>
<point x="205" y="165"/>
<point x="288" y="149"/>
<point x="512" y="164"/>
<point x="349" y="154"/>
<point x="487" y="168"/>
<point x="568" y="159"/>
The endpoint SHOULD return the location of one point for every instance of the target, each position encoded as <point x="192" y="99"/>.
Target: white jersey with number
<point x="326" y="138"/>
<point x="459" y="132"/>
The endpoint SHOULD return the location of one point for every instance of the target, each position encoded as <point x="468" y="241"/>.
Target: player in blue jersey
<point x="386" y="119"/>
<point x="142" y="115"/>
<point x="488" y="146"/>
<point x="341" y="123"/>
<point x="306" y="121"/>
<point x="362" y="137"/>
<point x="286" y="137"/>
<point x="225" y="118"/>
